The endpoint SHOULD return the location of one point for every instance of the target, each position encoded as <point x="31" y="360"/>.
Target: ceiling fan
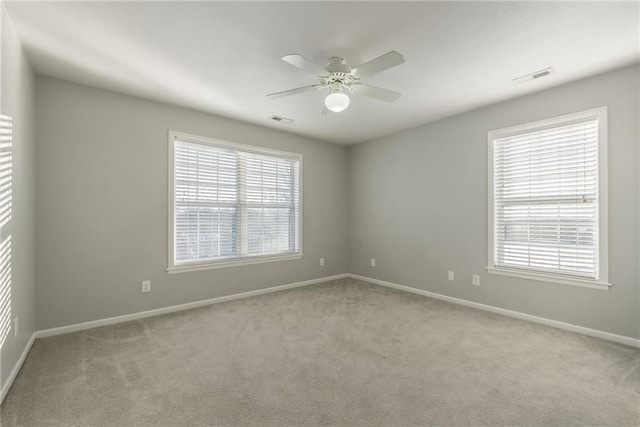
<point x="342" y="79"/>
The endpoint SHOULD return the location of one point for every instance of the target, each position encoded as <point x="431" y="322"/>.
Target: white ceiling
<point x="223" y="57"/>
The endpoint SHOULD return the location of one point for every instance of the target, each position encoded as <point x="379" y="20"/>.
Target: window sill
<point x="593" y="284"/>
<point x="185" y="268"/>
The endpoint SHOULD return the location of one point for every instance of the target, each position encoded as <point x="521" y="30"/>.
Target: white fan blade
<point x="381" y="63"/>
<point x="304" y="64"/>
<point x="294" y="91"/>
<point x="375" y="92"/>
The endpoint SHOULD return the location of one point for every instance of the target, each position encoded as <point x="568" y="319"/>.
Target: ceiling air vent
<point x="533" y="76"/>
<point x="282" y="120"/>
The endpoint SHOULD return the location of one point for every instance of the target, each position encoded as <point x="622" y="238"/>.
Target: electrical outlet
<point x="373" y="262"/>
<point x="451" y="276"/>
<point x="146" y="286"/>
<point x="475" y="280"/>
<point x="321" y="262"/>
<point x="15" y="327"/>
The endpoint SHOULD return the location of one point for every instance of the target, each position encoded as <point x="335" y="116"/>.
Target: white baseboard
<point x="16" y="368"/>
<point x="621" y="339"/>
<point x="171" y="309"/>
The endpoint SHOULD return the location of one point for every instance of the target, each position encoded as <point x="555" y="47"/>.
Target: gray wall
<point x="418" y="204"/>
<point x="416" y="201"/>
<point x="18" y="101"/>
<point x="102" y="206"/>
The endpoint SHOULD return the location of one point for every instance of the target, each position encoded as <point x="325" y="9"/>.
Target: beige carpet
<point x="339" y="353"/>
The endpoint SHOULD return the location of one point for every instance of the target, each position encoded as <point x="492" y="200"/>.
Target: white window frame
<point x="248" y="260"/>
<point x="602" y="280"/>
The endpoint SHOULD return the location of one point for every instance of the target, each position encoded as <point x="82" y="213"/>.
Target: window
<point x="6" y="215"/>
<point x="547" y="200"/>
<point x="231" y="204"/>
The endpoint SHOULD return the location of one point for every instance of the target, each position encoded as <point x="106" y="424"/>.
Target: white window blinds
<point x="6" y="213"/>
<point x="233" y="204"/>
<point x="546" y="204"/>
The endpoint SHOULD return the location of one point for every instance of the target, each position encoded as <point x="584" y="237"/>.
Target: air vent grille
<point x="533" y="76"/>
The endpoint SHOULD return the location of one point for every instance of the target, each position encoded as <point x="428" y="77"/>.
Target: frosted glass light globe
<point x="336" y="101"/>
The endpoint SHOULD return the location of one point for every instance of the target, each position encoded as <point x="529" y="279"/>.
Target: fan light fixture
<point x="337" y="101"/>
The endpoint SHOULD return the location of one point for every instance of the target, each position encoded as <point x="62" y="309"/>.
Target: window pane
<point x="205" y="174"/>
<point x="270" y="230"/>
<point x="270" y="180"/>
<point x="205" y="232"/>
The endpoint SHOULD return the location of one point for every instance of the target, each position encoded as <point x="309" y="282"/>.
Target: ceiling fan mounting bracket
<point x="337" y="65"/>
